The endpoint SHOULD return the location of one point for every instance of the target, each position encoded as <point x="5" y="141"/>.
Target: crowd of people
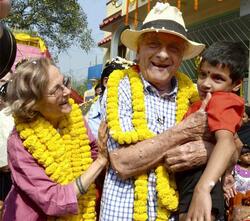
<point x="154" y="146"/>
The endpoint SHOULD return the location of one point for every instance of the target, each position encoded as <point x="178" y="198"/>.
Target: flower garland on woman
<point x="51" y="128"/>
<point x="166" y="189"/>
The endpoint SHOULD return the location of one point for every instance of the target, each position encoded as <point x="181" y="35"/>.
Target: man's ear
<point x="237" y="86"/>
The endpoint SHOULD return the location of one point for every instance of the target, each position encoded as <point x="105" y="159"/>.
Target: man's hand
<point x="134" y="159"/>
<point x="193" y="153"/>
<point x="205" y="102"/>
<point x="188" y="156"/>
<point x="195" y="127"/>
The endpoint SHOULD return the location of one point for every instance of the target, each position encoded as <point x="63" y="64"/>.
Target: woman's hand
<point x="102" y="140"/>
<point x="89" y="176"/>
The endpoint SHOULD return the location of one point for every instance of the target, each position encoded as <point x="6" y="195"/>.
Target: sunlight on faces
<point x="159" y="57"/>
<point x="53" y="107"/>
<point x="215" y="78"/>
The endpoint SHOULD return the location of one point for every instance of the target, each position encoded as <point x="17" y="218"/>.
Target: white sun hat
<point x="166" y="19"/>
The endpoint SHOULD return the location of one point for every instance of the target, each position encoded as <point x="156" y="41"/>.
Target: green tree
<point x="61" y="23"/>
<point x="80" y="86"/>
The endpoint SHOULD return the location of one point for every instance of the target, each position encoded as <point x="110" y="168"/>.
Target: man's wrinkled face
<point x="159" y="57"/>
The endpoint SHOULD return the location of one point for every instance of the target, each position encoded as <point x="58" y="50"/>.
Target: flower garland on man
<point x="142" y="103"/>
<point x="49" y="150"/>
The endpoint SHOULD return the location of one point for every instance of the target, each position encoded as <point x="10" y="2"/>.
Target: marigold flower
<point x="187" y="93"/>
<point x="58" y="153"/>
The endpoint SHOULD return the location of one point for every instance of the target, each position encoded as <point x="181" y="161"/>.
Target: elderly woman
<point x="49" y="150"/>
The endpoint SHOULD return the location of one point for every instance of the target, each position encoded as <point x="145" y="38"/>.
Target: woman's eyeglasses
<point x="58" y="89"/>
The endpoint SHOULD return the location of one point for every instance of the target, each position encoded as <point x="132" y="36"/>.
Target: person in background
<point x="6" y="126"/>
<point x="220" y="74"/>
<point x="94" y="114"/>
<point x="7" y="58"/>
<point x="237" y="179"/>
<point x="242" y="171"/>
<point x="49" y="150"/>
<point x="98" y="89"/>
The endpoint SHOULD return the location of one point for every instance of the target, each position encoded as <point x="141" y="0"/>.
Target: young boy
<point x="220" y="73"/>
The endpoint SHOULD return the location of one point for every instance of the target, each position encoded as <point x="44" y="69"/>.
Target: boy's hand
<point x="200" y="207"/>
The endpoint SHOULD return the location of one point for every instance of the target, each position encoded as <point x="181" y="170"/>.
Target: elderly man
<point x="142" y="105"/>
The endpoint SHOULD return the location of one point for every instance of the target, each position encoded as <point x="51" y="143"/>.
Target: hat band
<point x="166" y="24"/>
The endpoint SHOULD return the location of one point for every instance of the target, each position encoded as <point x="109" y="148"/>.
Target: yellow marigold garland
<point x="65" y="155"/>
<point x="166" y="189"/>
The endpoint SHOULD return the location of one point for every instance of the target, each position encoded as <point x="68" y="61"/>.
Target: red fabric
<point x="225" y="111"/>
<point x="76" y="97"/>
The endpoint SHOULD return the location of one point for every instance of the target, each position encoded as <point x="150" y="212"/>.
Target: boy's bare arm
<point x="219" y="159"/>
<point x="216" y="166"/>
<point x="236" y="154"/>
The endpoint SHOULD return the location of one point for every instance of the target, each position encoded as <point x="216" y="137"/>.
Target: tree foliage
<point x="61" y="23"/>
<point x="80" y="86"/>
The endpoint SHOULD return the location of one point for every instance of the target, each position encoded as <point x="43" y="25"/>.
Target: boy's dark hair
<point x="232" y="55"/>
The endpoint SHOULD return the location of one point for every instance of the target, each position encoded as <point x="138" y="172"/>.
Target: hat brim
<point x="130" y="39"/>
<point x="7" y="51"/>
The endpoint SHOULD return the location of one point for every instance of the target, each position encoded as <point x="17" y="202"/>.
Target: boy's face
<point x="212" y="79"/>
